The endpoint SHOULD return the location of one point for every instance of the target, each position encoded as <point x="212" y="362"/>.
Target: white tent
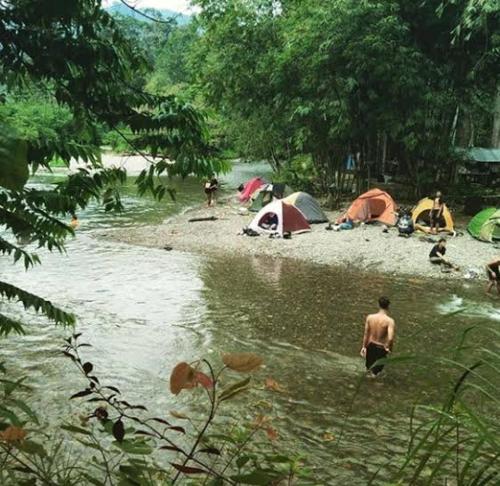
<point x="289" y="219"/>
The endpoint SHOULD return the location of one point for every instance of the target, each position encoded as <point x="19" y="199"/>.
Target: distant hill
<point x="119" y="8"/>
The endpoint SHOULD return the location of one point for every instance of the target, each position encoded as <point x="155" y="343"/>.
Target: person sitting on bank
<point x="437" y="256"/>
<point x="343" y="223"/>
<point x="270" y="222"/>
<point x="378" y="337"/>
<point x="436" y="212"/>
<point x="493" y="271"/>
<point x="405" y="224"/>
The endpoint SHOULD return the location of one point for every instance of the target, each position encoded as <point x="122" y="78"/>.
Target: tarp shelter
<point x="308" y="206"/>
<point x="485" y="225"/>
<point x="249" y="187"/>
<point x="289" y="219"/>
<point x="374" y="205"/>
<point x="480" y="165"/>
<point x="421" y="215"/>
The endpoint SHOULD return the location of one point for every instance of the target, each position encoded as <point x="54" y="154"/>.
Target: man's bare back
<point x="378" y="337"/>
<point x="379" y="330"/>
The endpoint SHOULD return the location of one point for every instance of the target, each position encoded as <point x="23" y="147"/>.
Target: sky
<point x="176" y="5"/>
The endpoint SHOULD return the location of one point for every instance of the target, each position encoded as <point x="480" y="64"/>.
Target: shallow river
<point x="143" y="310"/>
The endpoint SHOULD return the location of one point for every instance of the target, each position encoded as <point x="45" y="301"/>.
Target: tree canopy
<point x="388" y="80"/>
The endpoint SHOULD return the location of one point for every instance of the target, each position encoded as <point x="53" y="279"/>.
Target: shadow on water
<point x="144" y="310"/>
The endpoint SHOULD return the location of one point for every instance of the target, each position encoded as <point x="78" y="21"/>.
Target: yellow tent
<point x="420" y="214"/>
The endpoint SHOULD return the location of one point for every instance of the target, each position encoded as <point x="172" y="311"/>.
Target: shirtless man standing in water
<point x="379" y="336"/>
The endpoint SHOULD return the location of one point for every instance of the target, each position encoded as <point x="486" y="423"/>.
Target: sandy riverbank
<point x="365" y="247"/>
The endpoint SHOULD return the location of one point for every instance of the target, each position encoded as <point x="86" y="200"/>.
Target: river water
<point x="144" y="310"/>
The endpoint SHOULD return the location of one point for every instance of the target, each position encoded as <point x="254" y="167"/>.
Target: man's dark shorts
<point x="375" y="352"/>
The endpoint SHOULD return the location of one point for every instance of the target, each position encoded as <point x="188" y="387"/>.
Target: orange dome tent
<point x="374" y="205"/>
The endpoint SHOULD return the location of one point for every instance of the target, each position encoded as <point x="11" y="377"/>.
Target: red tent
<point x="250" y="187"/>
<point x="289" y="219"/>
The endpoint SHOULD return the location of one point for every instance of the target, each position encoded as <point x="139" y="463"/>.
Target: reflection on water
<point x="143" y="310"/>
<point x="308" y="321"/>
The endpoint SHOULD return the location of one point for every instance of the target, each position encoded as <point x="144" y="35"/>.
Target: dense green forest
<point x="396" y="85"/>
<point x="399" y="85"/>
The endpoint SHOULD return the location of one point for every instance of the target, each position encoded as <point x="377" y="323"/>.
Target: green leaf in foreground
<point x="256" y="477"/>
<point x="233" y="390"/>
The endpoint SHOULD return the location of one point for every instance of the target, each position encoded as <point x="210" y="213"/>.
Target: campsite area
<point x="366" y="248"/>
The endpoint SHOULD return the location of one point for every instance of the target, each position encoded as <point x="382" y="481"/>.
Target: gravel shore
<point x="366" y="247"/>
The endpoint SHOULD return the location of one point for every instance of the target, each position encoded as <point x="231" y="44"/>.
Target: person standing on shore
<point x="436" y="212"/>
<point x="211" y="187"/>
<point x="378" y="338"/>
<point x="493" y="270"/>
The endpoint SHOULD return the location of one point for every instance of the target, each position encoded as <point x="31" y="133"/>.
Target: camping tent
<point x="250" y="187"/>
<point x="289" y="219"/>
<point x="420" y="214"/>
<point x="268" y="192"/>
<point x="308" y="206"/>
<point x="485" y="225"/>
<point x="374" y="205"/>
<point x="262" y="196"/>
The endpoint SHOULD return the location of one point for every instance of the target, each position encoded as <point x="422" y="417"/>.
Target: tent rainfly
<point x="309" y="207"/>
<point x="485" y="225"/>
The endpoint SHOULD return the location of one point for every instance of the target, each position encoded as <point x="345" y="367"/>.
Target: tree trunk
<point x="384" y="153"/>
<point x="495" y="133"/>
<point x="454" y="126"/>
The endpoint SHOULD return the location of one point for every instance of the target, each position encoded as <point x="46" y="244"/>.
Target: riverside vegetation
<point x="71" y="74"/>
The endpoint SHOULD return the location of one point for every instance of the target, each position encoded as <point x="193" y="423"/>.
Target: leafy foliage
<point x="392" y="80"/>
<point x="459" y="439"/>
<point x="134" y="448"/>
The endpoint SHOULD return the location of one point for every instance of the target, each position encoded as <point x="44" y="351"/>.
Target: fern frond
<point x="38" y="304"/>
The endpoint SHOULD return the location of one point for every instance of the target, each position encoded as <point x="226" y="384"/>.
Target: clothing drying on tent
<point x="262" y="196"/>
<point x="485" y="225"/>
<point x="250" y="187"/>
<point x="267" y="193"/>
<point x="374" y="205"/>
<point x="308" y="206"/>
<point x="421" y="216"/>
<point x="283" y="217"/>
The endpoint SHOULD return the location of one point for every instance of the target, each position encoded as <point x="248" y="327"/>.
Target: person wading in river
<point x="493" y="271"/>
<point x="379" y="337"/>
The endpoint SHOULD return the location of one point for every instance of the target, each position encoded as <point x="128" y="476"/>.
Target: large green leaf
<point x="14" y="171"/>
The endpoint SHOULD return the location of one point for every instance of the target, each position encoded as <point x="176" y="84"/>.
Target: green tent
<point x="485" y="225"/>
